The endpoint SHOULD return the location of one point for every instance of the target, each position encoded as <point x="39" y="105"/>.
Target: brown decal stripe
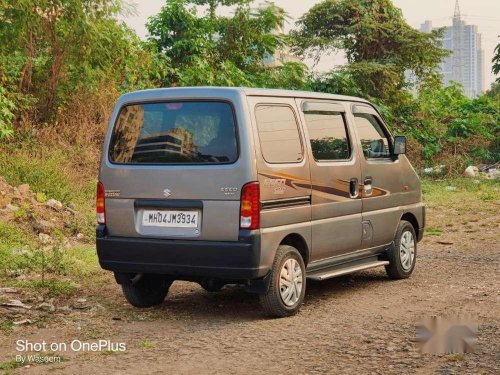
<point x="295" y="182"/>
<point x="285" y="203"/>
<point x="331" y="190"/>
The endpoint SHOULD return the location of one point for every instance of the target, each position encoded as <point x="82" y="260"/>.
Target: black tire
<point x="395" y="269"/>
<point x="149" y="290"/>
<point x="212" y="286"/>
<point x="271" y="301"/>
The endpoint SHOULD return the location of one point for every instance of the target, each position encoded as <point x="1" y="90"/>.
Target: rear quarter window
<point x="278" y="134"/>
<point x="180" y="132"/>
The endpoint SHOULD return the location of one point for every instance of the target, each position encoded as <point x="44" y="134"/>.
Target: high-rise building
<point x="466" y="63"/>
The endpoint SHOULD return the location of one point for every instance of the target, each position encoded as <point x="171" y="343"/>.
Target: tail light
<point x="250" y="206"/>
<point x="100" y="204"/>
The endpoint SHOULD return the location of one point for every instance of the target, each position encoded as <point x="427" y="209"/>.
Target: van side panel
<point x="285" y="188"/>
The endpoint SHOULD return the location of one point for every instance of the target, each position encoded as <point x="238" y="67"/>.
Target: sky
<point x="483" y="13"/>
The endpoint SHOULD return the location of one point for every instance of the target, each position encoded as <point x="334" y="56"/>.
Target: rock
<point x="428" y="171"/>
<point x="493" y="174"/>
<point x="4" y="201"/>
<point x="23" y="189"/>
<point x="12" y="208"/>
<point x="43" y="226"/>
<point x="81" y="307"/>
<point x="8" y="290"/>
<point x="16" y="303"/>
<point x="445" y="242"/>
<point x="81" y="304"/>
<point x="55" y="204"/>
<point x="21" y="322"/>
<point x="79" y="236"/>
<point x="471" y="171"/>
<point x="46" y="306"/>
<point x="44" y="238"/>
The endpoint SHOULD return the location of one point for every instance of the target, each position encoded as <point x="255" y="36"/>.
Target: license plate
<point x="170" y="219"/>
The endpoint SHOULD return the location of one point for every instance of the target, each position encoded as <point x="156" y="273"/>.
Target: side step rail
<point x="343" y="269"/>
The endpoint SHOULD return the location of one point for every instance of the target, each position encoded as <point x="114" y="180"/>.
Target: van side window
<point x="278" y="134"/>
<point x="328" y="136"/>
<point x="373" y="139"/>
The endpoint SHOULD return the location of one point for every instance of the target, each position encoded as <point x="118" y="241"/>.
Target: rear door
<point x="175" y="168"/>
<point x="335" y="177"/>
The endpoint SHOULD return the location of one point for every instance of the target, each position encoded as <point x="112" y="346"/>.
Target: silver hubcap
<point x="290" y="282"/>
<point x="407" y="250"/>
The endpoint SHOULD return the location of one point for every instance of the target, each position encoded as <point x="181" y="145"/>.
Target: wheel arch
<point x="412" y="219"/>
<point x="298" y="242"/>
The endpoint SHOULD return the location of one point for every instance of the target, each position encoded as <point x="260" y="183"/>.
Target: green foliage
<point x="7" y="109"/>
<point x="223" y="51"/>
<point x="14" y="244"/>
<point x="52" y="51"/>
<point x="45" y="174"/>
<point x="379" y="45"/>
<point x="450" y="123"/>
<point x="496" y="62"/>
<point x="63" y="63"/>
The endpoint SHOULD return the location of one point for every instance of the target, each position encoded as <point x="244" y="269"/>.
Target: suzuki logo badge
<point x="167" y="193"/>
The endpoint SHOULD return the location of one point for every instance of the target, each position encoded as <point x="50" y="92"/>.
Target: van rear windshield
<point x="181" y="132"/>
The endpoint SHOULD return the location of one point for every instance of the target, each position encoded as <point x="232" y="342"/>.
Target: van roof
<point x="204" y="91"/>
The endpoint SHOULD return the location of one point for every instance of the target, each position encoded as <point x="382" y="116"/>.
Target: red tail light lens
<point x="100" y="204"/>
<point x="250" y="206"/>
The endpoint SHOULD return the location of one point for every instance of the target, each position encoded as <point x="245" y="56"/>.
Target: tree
<point x="496" y="62"/>
<point x="52" y="50"/>
<point x="378" y="43"/>
<point x="219" y="50"/>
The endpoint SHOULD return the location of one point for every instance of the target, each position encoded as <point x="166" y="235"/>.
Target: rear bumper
<point x="239" y="260"/>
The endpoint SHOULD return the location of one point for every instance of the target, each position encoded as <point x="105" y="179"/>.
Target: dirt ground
<point x="363" y="323"/>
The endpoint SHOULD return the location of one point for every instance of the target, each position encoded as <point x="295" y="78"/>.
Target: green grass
<point x="146" y="344"/>
<point x="470" y="200"/>
<point x="467" y="195"/>
<point x="433" y="231"/>
<point x="45" y="173"/>
<point x="8" y="367"/>
<point x="14" y="243"/>
<point x="20" y="255"/>
<point x="62" y="271"/>
<point x="6" y="326"/>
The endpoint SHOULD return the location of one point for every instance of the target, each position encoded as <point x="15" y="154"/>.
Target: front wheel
<point x="403" y="255"/>
<point x="287" y="285"/>
<point x="149" y="290"/>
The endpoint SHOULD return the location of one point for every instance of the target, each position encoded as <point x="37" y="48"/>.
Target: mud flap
<point x="259" y="286"/>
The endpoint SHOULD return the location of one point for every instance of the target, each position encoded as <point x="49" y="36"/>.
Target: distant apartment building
<point x="281" y="55"/>
<point x="466" y="63"/>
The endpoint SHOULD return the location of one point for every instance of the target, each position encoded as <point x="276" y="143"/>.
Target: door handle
<point x="353" y="188"/>
<point x="367" y="186"/>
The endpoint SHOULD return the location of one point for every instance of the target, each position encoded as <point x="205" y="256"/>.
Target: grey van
<point x="264" y="188"/>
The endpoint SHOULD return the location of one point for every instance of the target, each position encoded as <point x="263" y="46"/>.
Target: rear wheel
<point x="149" y="290"/>
<point x="287" y="285"/>
<point x="403" y="255"/>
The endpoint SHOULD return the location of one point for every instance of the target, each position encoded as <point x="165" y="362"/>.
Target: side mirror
<point x="399" y="145"/>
